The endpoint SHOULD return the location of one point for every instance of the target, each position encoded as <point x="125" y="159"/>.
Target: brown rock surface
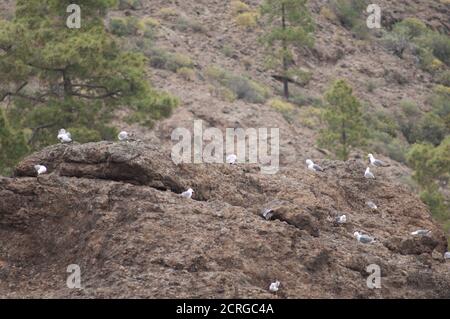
<point x="114" y="209"/>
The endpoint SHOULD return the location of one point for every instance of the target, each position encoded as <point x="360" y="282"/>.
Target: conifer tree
<point x="290" y="26"/>
<point x="345" y="128"/>
<point x="56" y="77"/>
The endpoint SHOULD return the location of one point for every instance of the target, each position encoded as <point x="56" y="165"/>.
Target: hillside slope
<point x="114" y="210"/>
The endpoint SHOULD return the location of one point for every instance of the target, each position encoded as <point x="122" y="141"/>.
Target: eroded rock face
<point x="114" y="209"/>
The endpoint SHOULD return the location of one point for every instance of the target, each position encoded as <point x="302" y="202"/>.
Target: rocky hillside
<point x="114" y="209"/>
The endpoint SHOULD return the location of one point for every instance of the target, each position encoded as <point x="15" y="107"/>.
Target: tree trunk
<point x="344" y="142"/>
<point x="285" y="62"/>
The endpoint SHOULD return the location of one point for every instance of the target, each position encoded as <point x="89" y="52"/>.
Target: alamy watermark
<point x="74" y="19"/>
<point x="374" y="19"/>
<point x="74" y="279"/>
<point x="253" y="146"/>
<point x="374" y="279"/>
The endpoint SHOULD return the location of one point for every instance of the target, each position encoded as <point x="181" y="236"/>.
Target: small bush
<point x="311" y="117"/>
<point x="130" y="4"/>
<point x="327" y="13"/>
<point x="184" y="24"/>
<point x="186" y="73"/>
<point x="227" y="50"/>
<point x="161" y="59"/>
<point x="281" y="106"/>
<point x="167" y="13"/>
<point x="407" y="120"/>
<point x="248" y="20"/>
<point x="348" y="12"/>
<point x="444" y="78"/>
<point x="432" y="129"/>
<point x="239" y="7"/>
<point x="124" y="26"/>
<point x="242" y="87"/>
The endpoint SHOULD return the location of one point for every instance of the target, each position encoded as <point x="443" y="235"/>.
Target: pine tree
<point x="55" y="77"/>
<point x="345" y="128"/>
<point x="12" y="146"/>
<point x="290" y="25"/>
<point x="431" y="165"/>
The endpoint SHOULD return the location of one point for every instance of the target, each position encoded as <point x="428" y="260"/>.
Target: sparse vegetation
<point x="242" y="87"/>
<point x="167" y="13"/>
<point x="247" y="20"/>
<point x="289" y="25"/>
<point x="162" y="59"/>
<point x="344" y="122"/>
<point x="84" y="75"/>
<point x="431" y="47"/>
<point x="239" y="7"/>
<point x="349" y="14"/>
<point x="431" y="166"/>
<point x="186" y="73"/>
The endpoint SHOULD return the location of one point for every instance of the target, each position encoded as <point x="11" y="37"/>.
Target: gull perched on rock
<point x="365" y="239"/>
<point x="313" y="167"/>
<point x="267" y="213"/>
<point x="421" y="232"/>
<point x="274" y="286"/>
<point x="40" y="169"/>
<point x="447" y="255"/>
<point x="341" y="219"/>
<point x="368" y="174"/>
<point x="64" y="136"/>
<point x="123" y="136"/>
<point x="231" y="159"/>
<point x="375" y="162"/>
<point x="188" y="193"/>
<point x="371" y="205"/>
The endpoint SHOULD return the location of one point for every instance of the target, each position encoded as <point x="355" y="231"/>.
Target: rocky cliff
<point x="114" y="209"/>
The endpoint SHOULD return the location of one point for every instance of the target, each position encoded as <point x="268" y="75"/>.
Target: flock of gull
<point x="65" y="137"/>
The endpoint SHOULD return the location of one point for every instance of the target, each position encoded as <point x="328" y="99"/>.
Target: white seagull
<point x="421" y="232"/>
<point x="368" y="174"/>
<point x="64" y="136"/>
<point x="447" y="255"/>
<point x="267" y="213"/>
<point x="40" y="169"/>
<point x="365" y="239"/>
<point x="123" y="136"/>
<point x="188" y="193"/>
<point x="274" y="286"/>
<point x="313" y="167"/>
<point x="371" y="205"/>
<point x="231" y="159"/>
<point x="375" y="162"/>
<point x="341" y="219"/>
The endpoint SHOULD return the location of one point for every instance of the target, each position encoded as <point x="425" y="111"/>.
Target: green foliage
<point x="247" y="20"/>
<point x="343" y="117"/>
<point x="184" y="24"/>
<point x="55" y="77"/>
<point x="162" y="59"/>
<point x="242" y="87"/>
<point x="431" y="127"/>
<point x="239" y="7"/>
<point x="431" y="47"/>
<point x="124" y="26"/>
<point x="281" y="38"/>
<point x="429" y="162"/>
<point x="349" y="12"/>
<point x="12" y="146"/>
<point x="186" y="73"/>
<point x="431" y="165"/>
<point x="130" y="4"/>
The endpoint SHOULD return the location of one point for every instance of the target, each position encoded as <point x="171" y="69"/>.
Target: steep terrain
<point x="114" y="210"/>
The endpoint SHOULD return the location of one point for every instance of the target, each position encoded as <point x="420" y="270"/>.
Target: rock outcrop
<point x="114" y="209"/>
